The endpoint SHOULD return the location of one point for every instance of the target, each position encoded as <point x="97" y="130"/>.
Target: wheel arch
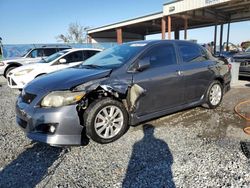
<point x="12" y="64"/>
<point x="221" y="80"/>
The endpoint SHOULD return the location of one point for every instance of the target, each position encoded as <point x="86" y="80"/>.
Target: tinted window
<point x="191" y="53"/>
<point x="74" y="57"/>
<point x="49" y="51"/>
<point x="161" y="55"/>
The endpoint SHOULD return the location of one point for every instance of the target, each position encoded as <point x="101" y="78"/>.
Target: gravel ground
<point x="192" y="148"/>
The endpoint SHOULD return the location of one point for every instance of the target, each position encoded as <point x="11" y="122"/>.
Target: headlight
<point x="61" y="98"/>
<point x="1" y="63"/>
<point x="22" y="72"/>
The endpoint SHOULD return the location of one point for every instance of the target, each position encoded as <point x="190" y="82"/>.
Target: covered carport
<point x="175" y="17"/>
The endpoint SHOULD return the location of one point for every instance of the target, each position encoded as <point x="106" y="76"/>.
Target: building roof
<point x="200" y="13"/>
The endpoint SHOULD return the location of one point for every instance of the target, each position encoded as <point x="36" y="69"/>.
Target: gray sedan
<point x="121" y="86"/>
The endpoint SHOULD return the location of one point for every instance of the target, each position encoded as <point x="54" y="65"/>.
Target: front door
<point x="72" y="59"/>
<point x="161" y="81"/>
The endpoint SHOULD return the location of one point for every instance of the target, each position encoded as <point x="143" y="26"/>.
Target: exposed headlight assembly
<point x="61" y="98"/>
<point x="22" y="72"/>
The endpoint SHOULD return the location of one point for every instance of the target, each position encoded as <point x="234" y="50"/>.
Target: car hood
<point x="68" y="78"/>
<point x="30" y="66"/>
<point x="10" y="59"/>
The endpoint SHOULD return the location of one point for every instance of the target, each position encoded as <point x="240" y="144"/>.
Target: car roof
<point x="152" y="42"/>
<point x="82" y="49"/>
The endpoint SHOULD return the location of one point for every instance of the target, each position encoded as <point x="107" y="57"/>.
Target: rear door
<point x="196" y="69"/>
<point x="161" y="82"/>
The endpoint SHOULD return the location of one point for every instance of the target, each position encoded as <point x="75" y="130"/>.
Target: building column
<point x="228" y="34"/>
<point x="215" y="38"/>
<point x="221" y="37"/>
<point x="185" y="28"/>
<point x="119" y="35"/>
<point x="163" y="28"/>
<point x="169" y="27"/>
<point x="89" y="39"/>
<point x="177" y="34"/>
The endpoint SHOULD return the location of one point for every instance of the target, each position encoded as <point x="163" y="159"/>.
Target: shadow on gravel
<point x="30" y="167"/>
<point x="150" y="163"/>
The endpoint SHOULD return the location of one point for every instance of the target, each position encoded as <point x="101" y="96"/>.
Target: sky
<point x="40" y="21"/>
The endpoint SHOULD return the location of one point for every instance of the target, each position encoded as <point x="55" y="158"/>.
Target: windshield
<point x="115" y="57"/>
<point x="53" y="57"/>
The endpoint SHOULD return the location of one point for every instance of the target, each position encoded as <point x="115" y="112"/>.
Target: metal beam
<point x="215" y="38"/>
<point x="228" y="33"/>
<point x="221" y="37"/>
<point x="177" y="34"/>
<point x="185" y="28"/>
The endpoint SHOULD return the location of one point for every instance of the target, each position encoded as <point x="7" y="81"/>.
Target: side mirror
<point x="62" y="61"/>
<point x="143" y="64"/>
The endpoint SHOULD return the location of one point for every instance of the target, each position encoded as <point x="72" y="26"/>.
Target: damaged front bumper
<point x="54" y="126"/>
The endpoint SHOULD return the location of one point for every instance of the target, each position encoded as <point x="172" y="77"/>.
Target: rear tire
<point x="214" y="95"/>
<point x="106" y="120"/>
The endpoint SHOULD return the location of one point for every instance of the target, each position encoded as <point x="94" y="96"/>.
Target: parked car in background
<point x="245" y="45"/>
<point x="1" y="49"/>
<point x="20" y="76"/>
<point x="244" y="59"/>
<point x="228" y="53"/>
<point x="32" y="56"/>
<point x="121" y="86"/>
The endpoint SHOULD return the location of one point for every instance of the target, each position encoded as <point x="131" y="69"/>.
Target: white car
<point x="32" y="56"/>
<point x="20" y="76"/>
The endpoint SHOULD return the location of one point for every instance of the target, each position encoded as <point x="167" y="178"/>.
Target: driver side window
<point x="161" y="55"/>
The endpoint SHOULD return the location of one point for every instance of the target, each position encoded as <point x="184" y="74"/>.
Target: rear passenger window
<point x="161" y="55"/>
<point x="49" y="51"/>
<point x="191" y="53"/>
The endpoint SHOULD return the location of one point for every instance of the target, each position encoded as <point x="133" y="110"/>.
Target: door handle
<point x="179" y="72"/>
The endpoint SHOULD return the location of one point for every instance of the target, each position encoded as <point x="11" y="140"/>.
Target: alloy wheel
<point x="215" y="94"/>
<point x="108" y="122"/>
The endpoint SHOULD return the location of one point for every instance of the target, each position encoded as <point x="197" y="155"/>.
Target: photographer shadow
<point x="150" y="163"/>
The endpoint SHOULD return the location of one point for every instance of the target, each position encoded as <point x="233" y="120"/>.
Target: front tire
<point x="214" y="95"/>
<point x="106" y="120"/>
<point x="8" y="70"/>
